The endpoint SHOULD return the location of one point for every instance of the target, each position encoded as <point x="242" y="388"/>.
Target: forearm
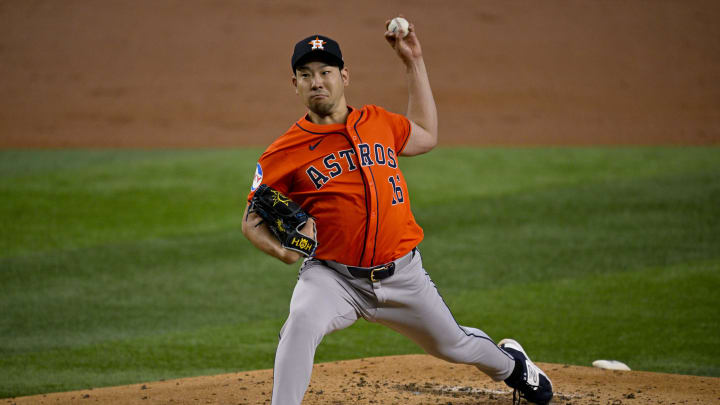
<point x="421" y="103"/>
<point x="260" y="236"/>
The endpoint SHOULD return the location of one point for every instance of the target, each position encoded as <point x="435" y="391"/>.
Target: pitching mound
<point x="413" y="379"/>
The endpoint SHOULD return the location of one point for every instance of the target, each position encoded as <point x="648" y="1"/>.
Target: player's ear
<point x="345" y="74"/>
<point x="294" y="82"/>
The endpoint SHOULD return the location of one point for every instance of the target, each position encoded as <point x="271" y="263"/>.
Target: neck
<point x="338" y="116"/>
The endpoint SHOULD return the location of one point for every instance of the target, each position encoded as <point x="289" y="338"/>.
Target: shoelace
<point x="517" y="396"/>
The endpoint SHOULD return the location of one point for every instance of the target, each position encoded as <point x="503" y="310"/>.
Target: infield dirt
<point x="411" y="379"/>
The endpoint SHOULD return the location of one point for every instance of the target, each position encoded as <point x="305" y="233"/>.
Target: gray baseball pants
<point x="326" y="298"/>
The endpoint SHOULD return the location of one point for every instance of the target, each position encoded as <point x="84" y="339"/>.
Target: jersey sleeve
<point x="400" y="128"/>
<point x="274" y="170"/>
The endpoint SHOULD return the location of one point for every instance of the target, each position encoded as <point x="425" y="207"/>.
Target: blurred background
<point x="217" y="73"/>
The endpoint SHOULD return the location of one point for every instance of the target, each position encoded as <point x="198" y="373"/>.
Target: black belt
<point x="374" y="274"/>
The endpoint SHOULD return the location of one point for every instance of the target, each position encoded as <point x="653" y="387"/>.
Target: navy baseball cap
<point x="317" y="46"/>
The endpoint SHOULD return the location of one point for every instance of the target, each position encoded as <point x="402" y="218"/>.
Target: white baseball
<point x="399" y="24"/>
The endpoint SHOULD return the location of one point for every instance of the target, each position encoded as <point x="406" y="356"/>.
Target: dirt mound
<point x="412" y="379"/>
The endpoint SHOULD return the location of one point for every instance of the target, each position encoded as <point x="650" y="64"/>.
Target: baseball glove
<point x="284" y="218"/>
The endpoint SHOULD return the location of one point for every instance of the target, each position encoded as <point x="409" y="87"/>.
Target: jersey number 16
<point x="397" y="189"/>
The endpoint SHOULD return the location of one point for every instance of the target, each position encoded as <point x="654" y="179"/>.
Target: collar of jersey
<point x="309" y="126"/>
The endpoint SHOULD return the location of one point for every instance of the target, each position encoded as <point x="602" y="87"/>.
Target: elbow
<point x="429" y="143"/>
<point x="423" y="138"/>
<point x="432" y="142"/>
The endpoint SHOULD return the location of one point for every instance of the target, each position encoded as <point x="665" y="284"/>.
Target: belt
<point x="375" y="273"/>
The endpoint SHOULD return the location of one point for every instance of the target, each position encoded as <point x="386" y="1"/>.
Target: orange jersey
<point x="347" y="176"/>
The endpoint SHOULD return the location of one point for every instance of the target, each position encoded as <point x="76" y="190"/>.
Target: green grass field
<point x="127" y="266"/>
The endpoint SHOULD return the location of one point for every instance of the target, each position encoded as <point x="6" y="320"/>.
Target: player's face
<point x="321" y="86"/>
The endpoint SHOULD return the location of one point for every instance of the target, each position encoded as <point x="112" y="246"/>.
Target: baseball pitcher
<point x="330" y="190"/>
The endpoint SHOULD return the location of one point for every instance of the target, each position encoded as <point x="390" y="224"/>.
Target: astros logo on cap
<point x="317" y="43"/>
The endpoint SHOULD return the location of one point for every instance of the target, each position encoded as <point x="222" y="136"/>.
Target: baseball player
<point x="340" y="164"/>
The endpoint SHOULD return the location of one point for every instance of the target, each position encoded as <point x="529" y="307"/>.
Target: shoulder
<point x="372" y="109"/>
<point x="375" y="112"/>
<point x="285" y="137"/>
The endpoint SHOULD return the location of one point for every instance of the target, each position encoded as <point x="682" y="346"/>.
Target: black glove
<point x="284" y="218"/>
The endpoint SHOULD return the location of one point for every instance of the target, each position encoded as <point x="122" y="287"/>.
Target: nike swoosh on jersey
<point x="312" y="147"/>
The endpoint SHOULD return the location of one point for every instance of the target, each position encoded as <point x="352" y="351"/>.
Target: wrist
<point x="415" y="66"/>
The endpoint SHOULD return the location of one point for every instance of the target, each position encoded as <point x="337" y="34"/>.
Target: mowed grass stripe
<point x="90" y="295"/>
<point x="109" y="196"/>
<point x="138" y="264"/>
<point x="658" y="319"/>
<point x="574" y="231"/>
<point x="202" y="351"/>
<point x="616" y="326"/>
